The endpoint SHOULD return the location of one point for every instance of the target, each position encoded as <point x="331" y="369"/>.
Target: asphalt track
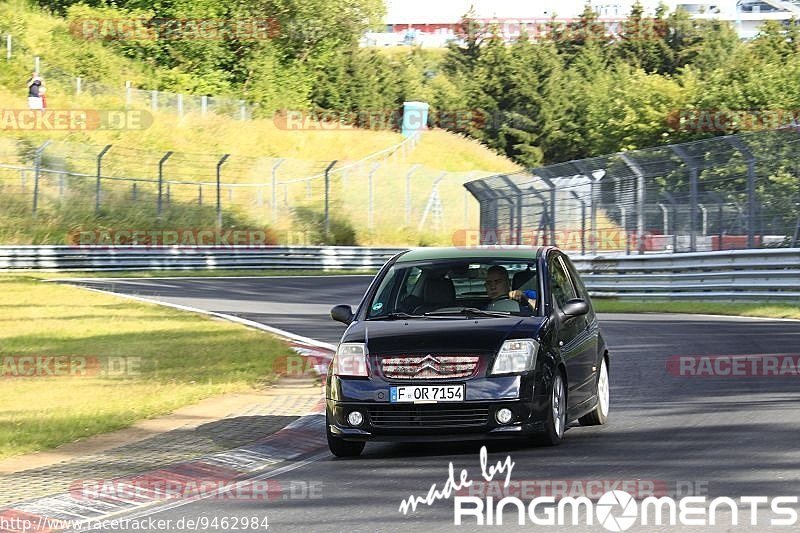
<point x="707" y="436"/>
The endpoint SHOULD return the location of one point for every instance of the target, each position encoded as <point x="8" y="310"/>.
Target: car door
<point x="571" y="332"/>
<point x="589" y="334"/>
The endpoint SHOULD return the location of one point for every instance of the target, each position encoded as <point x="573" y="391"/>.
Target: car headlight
<point x="350" y="360"/>
<point x="516" y="355"/>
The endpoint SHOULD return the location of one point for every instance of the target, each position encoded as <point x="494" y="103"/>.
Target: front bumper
<point x="447" y="421"/>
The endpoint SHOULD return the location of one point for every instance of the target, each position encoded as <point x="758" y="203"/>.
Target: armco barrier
<point x="730" y="275"/>
<point x="72" y="258"/>
<point x="772" y="274"/>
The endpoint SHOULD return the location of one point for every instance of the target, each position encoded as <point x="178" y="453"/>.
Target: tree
<point x="642" y="41"/>
<point x="571" y="38"/>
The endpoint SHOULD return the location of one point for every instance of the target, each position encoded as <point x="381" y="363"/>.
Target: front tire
<point x="556" y="421"/>
<point x="599" y="416"/>
<point x="340" y="447"/>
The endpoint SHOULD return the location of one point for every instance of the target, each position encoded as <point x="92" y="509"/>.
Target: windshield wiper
<point x="394" y="316"/>
<point x="469" y="312"/>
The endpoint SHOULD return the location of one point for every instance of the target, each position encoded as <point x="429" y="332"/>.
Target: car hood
<point x="441" y="335"/>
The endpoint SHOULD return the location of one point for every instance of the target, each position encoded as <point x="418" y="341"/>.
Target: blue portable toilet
<point x="415" y="118"/>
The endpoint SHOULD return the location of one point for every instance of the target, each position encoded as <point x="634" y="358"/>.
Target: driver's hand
<point x="515" y="295"/>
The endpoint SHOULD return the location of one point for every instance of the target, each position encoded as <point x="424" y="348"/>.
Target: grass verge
<point x="201" y="273"/>
<point x="758" y="309"/>
<point x="125" y="362"/>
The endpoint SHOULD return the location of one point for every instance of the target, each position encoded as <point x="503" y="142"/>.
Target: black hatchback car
<point x="454" y="344"/>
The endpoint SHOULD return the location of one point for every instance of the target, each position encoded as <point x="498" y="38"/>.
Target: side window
<point x="579" y="286"/>
<point x="560" y="283"/>
<point x="583" y="294"/>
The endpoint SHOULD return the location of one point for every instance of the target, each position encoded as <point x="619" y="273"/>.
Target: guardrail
<point x="730" y="275"/>
<point x="73" y="258"/>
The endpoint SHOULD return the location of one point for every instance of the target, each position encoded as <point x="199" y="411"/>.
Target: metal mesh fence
<point x="382" y="198"/>
<point x="737" y="191"/>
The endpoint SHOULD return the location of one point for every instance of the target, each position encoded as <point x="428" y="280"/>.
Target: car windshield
<point x="473" y="289"/>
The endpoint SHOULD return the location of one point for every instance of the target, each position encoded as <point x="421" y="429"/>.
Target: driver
<point x="498" y="288"/>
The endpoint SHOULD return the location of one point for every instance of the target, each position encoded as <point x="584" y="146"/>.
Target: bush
<point x="342" y="232"/>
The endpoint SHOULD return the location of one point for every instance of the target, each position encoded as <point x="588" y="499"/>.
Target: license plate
<point x="427" y="393"/>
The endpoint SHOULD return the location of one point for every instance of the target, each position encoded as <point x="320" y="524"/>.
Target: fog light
<point x="504" y="416"/>
<point x="355" y="418"/>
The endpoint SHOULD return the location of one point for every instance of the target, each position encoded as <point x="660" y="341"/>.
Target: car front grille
<point x="428" y="416"/>
<point x="429" y="366"/>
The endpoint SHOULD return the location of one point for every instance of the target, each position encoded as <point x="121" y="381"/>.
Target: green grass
<point x="179" y="358"/>
<point x="202" y="273"/>
<point x="762" y="309"/>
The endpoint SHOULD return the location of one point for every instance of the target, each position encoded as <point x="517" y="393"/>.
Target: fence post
<point x="583" y="220"/>
<point x="8" y="47"/>
<point x="674" y="208"/>
<point x="154" y="100"/>
<point x="693" y="195"/>
<point x="37" y="170"/>
<point x="275" y="166"/>
<point x="169" y="193"/>
<point x="242" y="110"/>
<point x="372" y="171"/>
<point x="408" y="192"/>
<point x="199" y="195"/>
<point x="203" y="105"/>
<point x="640" y="197"/>
<point x="78" y="85"/>
<point x="624" y="213"/>
<point x="219" y="189"/>
<point x="180" y="105"/>
<point x="720" y="201"/>
<point x="161" y="182"/>
<point x="751" y="188"/>
<point x="593" y="176"/>
<point x="133" y="192"/>
<point x="99" y="177"/>
<point x="327" y="194"/>
<point x="128" y="94"/>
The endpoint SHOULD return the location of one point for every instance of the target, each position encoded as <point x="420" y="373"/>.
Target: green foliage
<point x="341" y="232"/>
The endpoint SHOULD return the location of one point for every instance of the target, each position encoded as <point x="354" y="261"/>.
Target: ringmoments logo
<point x="615" y="510"/>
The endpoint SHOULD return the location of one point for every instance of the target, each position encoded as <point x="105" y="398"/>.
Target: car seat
<point x="437" y="293"/>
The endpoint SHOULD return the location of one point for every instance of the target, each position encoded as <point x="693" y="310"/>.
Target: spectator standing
<point x="35" y="84"/>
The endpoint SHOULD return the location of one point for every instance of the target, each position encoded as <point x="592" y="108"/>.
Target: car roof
<point x="523" y="253"/>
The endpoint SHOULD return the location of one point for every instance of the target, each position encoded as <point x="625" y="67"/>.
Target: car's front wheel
<point x="556" y="420"/>
<point x="340" y="447"/>
<point x="599" y="416"/>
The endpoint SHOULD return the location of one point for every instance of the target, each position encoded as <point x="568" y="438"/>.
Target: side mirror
<point x="576" y="307"/>
<point x="342" y="313"/>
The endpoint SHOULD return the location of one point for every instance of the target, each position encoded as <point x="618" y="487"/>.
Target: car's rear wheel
<point x="599" y="416"/>
<point x="556" y="421"/>
<point x="340" y="447"/>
